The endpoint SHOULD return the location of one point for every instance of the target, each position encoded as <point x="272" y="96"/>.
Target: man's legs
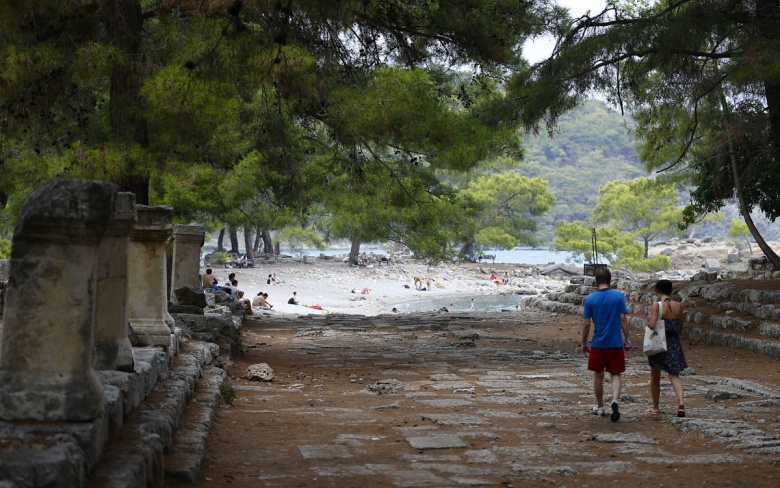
<point x="616" y="384"/>
<point x="598" y="387"/>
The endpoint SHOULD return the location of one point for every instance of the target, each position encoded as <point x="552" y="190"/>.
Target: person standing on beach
<point x="673" y="360"/>
<point x="471" y="307"/>
<point x="607" y="309"/>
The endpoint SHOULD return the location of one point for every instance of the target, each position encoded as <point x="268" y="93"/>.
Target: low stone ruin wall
<point x="744" y="318"/>
<point x="98" y="362"/>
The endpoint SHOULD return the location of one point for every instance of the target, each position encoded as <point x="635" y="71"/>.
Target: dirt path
<point x="404" y="401"/>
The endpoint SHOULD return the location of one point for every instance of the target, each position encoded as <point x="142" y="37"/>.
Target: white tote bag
<point x="655" y="340"/>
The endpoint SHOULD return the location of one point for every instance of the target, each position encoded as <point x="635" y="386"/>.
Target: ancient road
<point x="498" y="399"/>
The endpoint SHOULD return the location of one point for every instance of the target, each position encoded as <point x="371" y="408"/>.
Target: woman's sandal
<point x="681" y="411"/>
<point x="653" y="411"/>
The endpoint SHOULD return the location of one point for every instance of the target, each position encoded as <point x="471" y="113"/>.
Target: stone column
<point x="147" y="276"/>
<point x="113" y="350"/>
<point x="47" y="339"/>
<point x="188" y="240"/>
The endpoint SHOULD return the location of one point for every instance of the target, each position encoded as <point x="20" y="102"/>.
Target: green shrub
<point x="220" y="257"/>
<point x="5" y="249"/>
<point x="227" y="392"/>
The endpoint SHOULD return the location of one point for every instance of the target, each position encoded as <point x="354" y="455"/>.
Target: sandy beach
<point x="329" y="284"/>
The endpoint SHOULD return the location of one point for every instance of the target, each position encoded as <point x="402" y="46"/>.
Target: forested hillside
<point x="593" y="145"/>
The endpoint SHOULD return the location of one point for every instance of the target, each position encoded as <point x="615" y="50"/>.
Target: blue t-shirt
<point x="605" y="306"/>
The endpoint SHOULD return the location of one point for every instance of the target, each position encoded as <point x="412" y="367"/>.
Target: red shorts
<point x="610" y="359"/>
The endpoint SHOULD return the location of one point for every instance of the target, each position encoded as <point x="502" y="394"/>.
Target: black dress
<point x="673" y="360"/>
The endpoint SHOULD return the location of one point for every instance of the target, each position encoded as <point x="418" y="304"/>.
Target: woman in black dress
<point x="673" y="360"/>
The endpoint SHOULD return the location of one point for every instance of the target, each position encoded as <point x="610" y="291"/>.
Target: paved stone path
<point x="481" y="400"/>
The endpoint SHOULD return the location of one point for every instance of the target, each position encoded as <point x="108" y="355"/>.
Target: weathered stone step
<point x="185" y="457"/>
<point x="731" y="323"/>
<point x="768" y="347"/>
<point x="757" y="310"/>
<point x="134" y="457"/>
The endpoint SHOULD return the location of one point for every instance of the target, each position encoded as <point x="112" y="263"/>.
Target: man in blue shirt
<point x="607" y="309"/>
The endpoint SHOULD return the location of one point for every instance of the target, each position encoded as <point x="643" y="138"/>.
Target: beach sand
<point x="329" y="284"/>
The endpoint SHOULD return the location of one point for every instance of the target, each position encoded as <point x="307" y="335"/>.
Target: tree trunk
<point x="124" y="24"/>
<point x="248" y="243"/>
<point x="220" y="247"/>
<point x="233" y="240"/>
<point x="647" y="247"/>
<point x="467" y="249"/>
<point x="354" y="250"/>
<point x="768" y="15"/>
<point x="268" y="245"/>
<point x="773" y="258"/>
<point x="258" y="238"/>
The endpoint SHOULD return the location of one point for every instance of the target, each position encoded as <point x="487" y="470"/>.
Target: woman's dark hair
<point x="664" y="286"/>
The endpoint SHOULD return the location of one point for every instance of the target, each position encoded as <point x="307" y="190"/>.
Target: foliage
<point x="250" y="112"/>
<point x="396" y="203"/>
<point x="220" y="257"/>
<point x="227" y="392"/>
<point x="508" y="204"/>
<point x="645" y="208"/>
<point x="620" y="249"/>
<point x="701" y="78"/>
<point x="591" y="146"/>
<point x="738" y="231"/>
<point x="298" y="239"/>
<point x="5" y="248"/>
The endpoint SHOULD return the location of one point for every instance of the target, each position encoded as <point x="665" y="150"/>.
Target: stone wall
<point x="716" y="310"/>
<point x="95" y="373"/>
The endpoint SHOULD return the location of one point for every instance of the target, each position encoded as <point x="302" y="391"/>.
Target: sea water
<point x="511" y="256"/>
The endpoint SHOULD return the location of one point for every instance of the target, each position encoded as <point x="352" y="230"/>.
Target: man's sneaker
<point x="598" y="411"/>
<point x="615" y="413"/>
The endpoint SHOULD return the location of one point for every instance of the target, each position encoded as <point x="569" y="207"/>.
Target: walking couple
<point x="607" y="309"/>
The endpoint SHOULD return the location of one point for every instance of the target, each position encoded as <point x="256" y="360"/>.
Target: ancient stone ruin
<point x="86" y="337"/>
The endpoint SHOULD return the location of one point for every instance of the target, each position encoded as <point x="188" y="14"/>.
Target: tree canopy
<point x="647" y="209"/>
<point x="592" y="145"/>
<point x="227" y="109"/>
<point x="701" y="79"/>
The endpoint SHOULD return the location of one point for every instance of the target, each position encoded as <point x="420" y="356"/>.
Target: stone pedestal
<point x="113" y="350"/>
<point x="147" y="276"/>
<point x="46" y="346"/>
<point x="188" y="240"/>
